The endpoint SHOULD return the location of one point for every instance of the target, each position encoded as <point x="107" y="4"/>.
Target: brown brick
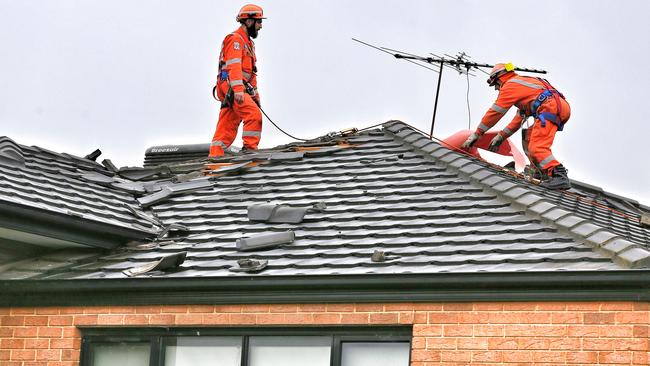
<point x="519" y="306"/>
<point x="110" y="319"/>
<point x="384" y="318"/>
<point x="585" y="306"/>
<point x="12" y="343"/>
<point x="582" y="357"/>
<point x="70" y="355"/>
<point x="640" y="331"/>
<point x="277" y="318"/>
<point x="441" y="343"/>
<point x="583" y="331"/>
<point x="227" y="308"/>
<point x="465" y="330"/>
<point x="488" y="331"/>
<point x="534" y="317"/>
<point x="5" y="311"/>
<point x="642" y="306"/>
<point x="71" y="332"/>
<point x="407" y="306"/>
<point x="4" y="355"/>
<point x="299" y="318"/>
<point x="621" y="306"/>
<point x="425" y="355"/>
<point x="418" y="342"/>
<point x="339" y="308"/>
<point x="47" y="311"/>
<point x="364" y="308"/>
<point x="615" y="357"/>
<point x="599" y="318"/>
<point x="12" y="320"/>
<point x="178" y="309"/>
<point x="71" y="310"/>
<point x="406" y="317"/>
<point x="327" y="318"/>
<point x="487" y="306"/>
<point x="456" y="356"/>
<point x="136" y="319"/>
<point x="502" y="318"/>
<point x="548" y="357"/>
<point x="468" y="317"/>
<point x="535" y="330"/>
<point x="617" y="331"/>
<point x="122" y="310"/>
<point x="598" y="344"/>
<point x="532" y="343"/>
<point x="60" y="320"/>
<point x="458" y="306"/>
<point x="420" y="317"/>
<point x="50" y="332"/>
<point x="6" y="332"/>
<point x="23" y="355"/>
<point x="204" y="309"/>
<point x="36" y="320"/>
<point x="283" y="308"/>
<point x="355" y="318"/>
<point x="255" y="308"/>
<point x="427" y="330"/>
<point x="25" y="332"/>
<point x="566" y="318"/>
<point x="187" y="319"/>
<point x="96" y="310"/>
<point x="567" y="344"/>
<point x="23" y="311"/>
<point x="641" y="358"/>
<point x="550" y="306"/>
<point x="37" y="343"/>
<point x="85" y="320"/>
<point x="443" y="318"/>
<point x="472" y="343"/>
<point x="486" y="356"/>
<point x="312" y="308"/>
<point x="163" y="319"/>
<point x="524" y="357"/>
<point x="633" y="317"/>
<point x="427" y="306"/>
<point x="631" y="344"/>
<point x="148" y="309"/>
<point x="62" y="343"/>
<point x="238" y="319"/>
<point x="48" y="354"/>
<point x="502" y="343"/>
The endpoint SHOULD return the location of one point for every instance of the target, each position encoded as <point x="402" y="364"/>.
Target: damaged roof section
<point x="384" y="201"/>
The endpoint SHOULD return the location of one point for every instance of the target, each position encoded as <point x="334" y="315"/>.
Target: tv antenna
<point x="461" y="63"/>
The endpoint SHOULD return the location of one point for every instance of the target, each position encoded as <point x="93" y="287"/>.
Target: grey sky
<point x="125" y="75"/>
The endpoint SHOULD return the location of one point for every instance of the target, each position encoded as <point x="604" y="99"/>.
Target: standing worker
<point x="236" y="86"/>
<point x="533" y="97"/>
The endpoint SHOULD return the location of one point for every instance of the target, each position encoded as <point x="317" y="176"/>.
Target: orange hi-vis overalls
<point x="533" y="97"/>
<point x="237" y="75"/>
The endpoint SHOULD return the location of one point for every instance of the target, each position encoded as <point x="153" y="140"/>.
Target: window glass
<point x="289" y="351"/>
<point x="375" y="354"/>
<point x="120" y="354"/>
<point x="204" y="351"/>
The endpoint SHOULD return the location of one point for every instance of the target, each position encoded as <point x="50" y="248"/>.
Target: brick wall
<point x="443" y="334"/>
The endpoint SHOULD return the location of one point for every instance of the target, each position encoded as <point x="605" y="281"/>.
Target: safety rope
<point x="278" y="127"/>
<point x="521" y="176"/>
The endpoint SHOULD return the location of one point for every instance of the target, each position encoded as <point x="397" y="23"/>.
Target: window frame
<point x="158" y="338"/>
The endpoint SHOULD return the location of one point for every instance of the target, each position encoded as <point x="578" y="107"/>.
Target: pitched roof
<point x="382" y="201"/>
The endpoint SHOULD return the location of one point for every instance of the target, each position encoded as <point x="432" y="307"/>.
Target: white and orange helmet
<point x="250" y="11"/>
<point x="499" y="70"/>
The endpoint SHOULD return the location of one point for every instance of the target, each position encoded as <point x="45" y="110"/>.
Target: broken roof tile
<point x="264" y="241"/>
<point x="165" y="263"/>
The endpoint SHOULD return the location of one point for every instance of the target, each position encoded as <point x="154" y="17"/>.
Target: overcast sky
<point x="125" y="75"/>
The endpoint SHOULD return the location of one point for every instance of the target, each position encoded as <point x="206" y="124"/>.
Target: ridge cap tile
<point x="585" y="229"/>
<point x="504" y="186"/>
<point x="601" y="237"/>
<point x="516" y="192"/>
<point x="635" y="257"/>
<point x="529" y="199"/>
<point x="555" y="214"/>
<point x="493" y="180"/>
<point x="570" y="221"/>
<point x="616" y="246"/>
<point x="542" y="206"/>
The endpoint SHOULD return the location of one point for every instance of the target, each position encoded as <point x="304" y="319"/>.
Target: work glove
<point x="496" y="142"/>
<point x="471" y="140"/>
<point x="239" y="97"/>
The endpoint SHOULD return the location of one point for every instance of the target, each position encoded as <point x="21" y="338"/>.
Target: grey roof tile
<point x="635" y="258"/>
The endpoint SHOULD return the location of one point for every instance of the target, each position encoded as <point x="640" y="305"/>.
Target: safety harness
<point x="223" y="75"/>
<point x="550" y="91"/>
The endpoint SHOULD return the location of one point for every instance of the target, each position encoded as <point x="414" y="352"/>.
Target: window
<point x="325" y="346"/>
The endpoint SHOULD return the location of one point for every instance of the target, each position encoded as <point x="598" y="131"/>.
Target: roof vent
<point x="11" y="153"/>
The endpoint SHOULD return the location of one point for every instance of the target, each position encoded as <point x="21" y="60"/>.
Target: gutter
<point x="64" y="227"/>
<point x="624" y="285"/>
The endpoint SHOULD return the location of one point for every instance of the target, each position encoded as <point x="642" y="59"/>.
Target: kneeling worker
<point x="533" y="97"/>
<point x="237" y="85"/>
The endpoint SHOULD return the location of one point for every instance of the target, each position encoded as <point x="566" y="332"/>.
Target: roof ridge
<point x="600" y="238"/>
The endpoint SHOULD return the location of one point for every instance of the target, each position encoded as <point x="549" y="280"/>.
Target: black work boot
<point x="558" y="179"/>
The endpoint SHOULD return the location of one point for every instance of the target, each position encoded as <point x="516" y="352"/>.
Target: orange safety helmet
<point x="497" y="71"/>
<point x="250" y="11"/>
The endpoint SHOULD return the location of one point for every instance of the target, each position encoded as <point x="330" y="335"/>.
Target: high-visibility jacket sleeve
<point x="505" y="100"/>
<point x="514" y="124"/>
<point x="232" y="60"/>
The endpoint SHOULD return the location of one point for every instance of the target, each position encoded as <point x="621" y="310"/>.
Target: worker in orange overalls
<point x="533" y="97"/>
<point x="236" y="86"/>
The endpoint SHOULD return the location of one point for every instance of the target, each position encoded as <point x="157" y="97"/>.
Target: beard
<point x="252" y="31"/>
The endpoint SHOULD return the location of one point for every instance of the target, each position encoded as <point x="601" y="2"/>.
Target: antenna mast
<point x="460" y="63"/>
